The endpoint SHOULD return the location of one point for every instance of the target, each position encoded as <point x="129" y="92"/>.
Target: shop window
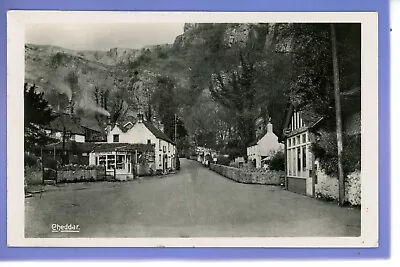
<point x="120" y="162"/>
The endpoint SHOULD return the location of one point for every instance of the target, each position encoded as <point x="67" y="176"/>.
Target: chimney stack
<point x="108" y="124"/>
<point x="70" y="108"/>
<point x="269" y="126"/>
<point x="140" y="117"/>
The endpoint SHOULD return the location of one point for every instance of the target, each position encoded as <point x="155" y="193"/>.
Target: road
<point x="195" y="202"/>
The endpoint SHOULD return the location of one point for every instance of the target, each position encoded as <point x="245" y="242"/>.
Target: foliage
<point x="58" y="59"/>
<point x="325" y="150"/>
<point x="30" y="159"/>
<point x="164" y="101"/>
<point x="223" y="160"/>
<point x="277" y="161"/>
<point x="37" y="114"/>
<point x="309" y="45"/>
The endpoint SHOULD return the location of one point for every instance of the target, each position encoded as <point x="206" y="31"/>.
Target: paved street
<point x="195" y="202"/>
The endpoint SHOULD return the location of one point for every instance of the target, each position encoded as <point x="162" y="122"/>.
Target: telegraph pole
<point x="338" y="110"/>
<point x="175" y="128"/>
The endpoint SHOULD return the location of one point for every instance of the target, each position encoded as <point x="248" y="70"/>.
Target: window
<point x="168" y="148"/>
<point x="298" y="160"/>
<point x="159" y="159"/>
<point x="159" y="144"/>
<point x="148" y="141"/>
<point x="110" y="162"/>
<point x="304" y="158"/>
<point x="102" y="160"/>
<point x="116" y="138"/>
<point x="164" y="148"/>
<point x="120" y="162"/>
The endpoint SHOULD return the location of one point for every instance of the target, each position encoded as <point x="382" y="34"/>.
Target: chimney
<point x="269" y="126"/>
<point x="108" y="124"/>
<point x="140" y="117"/>
<point x="70" y="108"/>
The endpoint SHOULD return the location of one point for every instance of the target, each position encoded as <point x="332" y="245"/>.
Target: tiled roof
<point x="159" y="134"/>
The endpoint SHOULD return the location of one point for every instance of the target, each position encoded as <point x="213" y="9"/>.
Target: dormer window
<point x="116" y="138"/>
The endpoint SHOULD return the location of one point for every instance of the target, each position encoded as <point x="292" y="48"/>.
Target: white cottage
<point x="135" y="143"/>
<point x="263" y="146"/>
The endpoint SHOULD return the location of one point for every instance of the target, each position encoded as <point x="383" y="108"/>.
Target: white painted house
<point x="263" y="146"/>
<point x="130" y="142"/>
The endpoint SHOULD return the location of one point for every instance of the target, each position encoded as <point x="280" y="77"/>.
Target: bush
<point x="325" y="150"/>
<point x="30" y="159"/>
<point x="223" y="160"/>
<point x="277" y="161"/>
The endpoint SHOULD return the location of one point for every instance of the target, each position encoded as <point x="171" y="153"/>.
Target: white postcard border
<point x="15" y="76"/>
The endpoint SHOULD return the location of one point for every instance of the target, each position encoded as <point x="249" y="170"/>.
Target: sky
<point x="102" y="36"/>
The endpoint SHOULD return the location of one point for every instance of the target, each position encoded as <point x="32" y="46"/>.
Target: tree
<point x="164" y="101"/>
<point x="236" y="92"/>
<point x="37" y="114"/>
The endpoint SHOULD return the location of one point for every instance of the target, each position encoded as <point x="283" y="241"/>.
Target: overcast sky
<point x="102" y="36"/>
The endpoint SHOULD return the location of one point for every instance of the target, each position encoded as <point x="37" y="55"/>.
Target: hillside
<point x="123" y="81"/>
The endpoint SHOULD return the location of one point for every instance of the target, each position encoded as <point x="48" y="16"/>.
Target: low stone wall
<point x="33" y="175"/>
<point x="80" y="175"/>
<point x="242" y="176"/>
<point x="327" y="187"/>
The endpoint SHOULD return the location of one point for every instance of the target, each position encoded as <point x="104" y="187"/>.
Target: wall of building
<point x="139" y="134"/>
<point x="243" y="176"/>
<point x="268" y="144"/>
<point x="78" y="138"/>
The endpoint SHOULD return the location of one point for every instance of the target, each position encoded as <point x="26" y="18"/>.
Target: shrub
<point x="223" y="160"/>
<point x="325" y="150"/>
<point x="30" y="159"/>
<point x="277" y="161"/>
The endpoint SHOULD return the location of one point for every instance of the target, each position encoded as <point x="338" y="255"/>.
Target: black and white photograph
<point x="191" y="127"/>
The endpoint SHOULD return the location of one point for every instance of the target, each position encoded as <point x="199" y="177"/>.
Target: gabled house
<point x="300" y="128"/>
<point x="262" y="147"/>
<point x="134" y="141"/>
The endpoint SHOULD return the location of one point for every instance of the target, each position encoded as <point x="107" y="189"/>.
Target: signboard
<point x="286" y="131"/>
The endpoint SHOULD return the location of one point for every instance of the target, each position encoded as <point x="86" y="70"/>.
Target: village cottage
<point x="301" y="128"/>
<point x="263" y="146"/>
<point x="135" y="149"/>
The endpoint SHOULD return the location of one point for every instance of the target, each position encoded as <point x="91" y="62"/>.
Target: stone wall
<point x="247" y="177"/>
<point x="82" y="175"/>
<point x="327" y="187"/>
<point x="33" y="175"/>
